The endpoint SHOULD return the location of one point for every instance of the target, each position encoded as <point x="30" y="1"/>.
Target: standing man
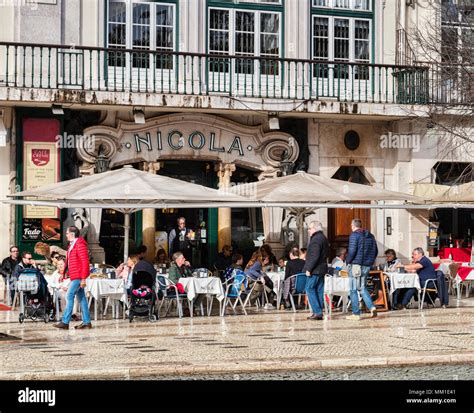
<point x="77" y="267"/>
<point x="360" y="257"/>
<point x="179" y="239"/>
<point x="7" y="267"/>
<point x="315" y="268"/>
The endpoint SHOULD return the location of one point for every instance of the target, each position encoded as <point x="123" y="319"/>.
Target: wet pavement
<point x="266" y="344"/>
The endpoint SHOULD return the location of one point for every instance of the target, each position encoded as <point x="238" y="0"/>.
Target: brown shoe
<point x="315" y="317"/>
<point x="61" y="325"/>
<point x="82" y="326"/>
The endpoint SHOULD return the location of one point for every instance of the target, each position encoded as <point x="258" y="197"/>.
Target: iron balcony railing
<point x="123" y="70"/>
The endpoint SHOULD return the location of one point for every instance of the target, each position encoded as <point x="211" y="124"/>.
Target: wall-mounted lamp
<point x="389" y="225"/>
<point x="139" y="115"/>
<point x="57" y="109"/>
<point x="273" y="121"/>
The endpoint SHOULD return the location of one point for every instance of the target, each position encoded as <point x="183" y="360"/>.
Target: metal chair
<point x="233" y="291"/>
<point x="164" y="284"/>
<point x="300" y="288"/>
<point x="452" y="273"/>
<point x="425" y="290"/>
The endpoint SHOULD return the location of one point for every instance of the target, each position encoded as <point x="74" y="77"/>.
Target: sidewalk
<point x="264" y="341"/>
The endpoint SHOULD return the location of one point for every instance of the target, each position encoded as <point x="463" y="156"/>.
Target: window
<point x="341" y="40"/>
<point x="457" y="47"/>
<point x="359" y="5"/>
<point x="141" y="26"/>
<point x="245" y="33"/>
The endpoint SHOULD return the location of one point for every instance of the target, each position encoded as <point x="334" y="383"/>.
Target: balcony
<point x="91" y="75"/>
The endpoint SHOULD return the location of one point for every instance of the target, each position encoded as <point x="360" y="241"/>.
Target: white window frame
<point x="232" y="30"/>
<point x="351" y="36"/>
<point x="267" y="2"/>
<point x="331" y="4"/>
<point x="129" y="22"/>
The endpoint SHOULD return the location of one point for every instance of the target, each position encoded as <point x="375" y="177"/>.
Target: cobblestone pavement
<point x="450" y="372"/>
<point x="264" y="342"/>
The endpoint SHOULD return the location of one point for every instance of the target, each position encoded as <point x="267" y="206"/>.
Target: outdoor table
<point x="277" y="279"/>
<point x="402" y="280"/>
<point x="105" y="287"/>
<point x="334" y="285"/>
<point x="207" y="285"/>
<point x="465" y="274"/>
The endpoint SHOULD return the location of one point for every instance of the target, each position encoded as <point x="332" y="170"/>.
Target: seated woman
<point x="255" y="273"/>
<point x="162" y="258"/>
<point x="125" y="271"/>
<point x="391" y="260"/>
<point x="294" y="266"/>
<point x="266" y="252"/>
<point x="62" y="284"/>
<point x="179" y="268"/>
<point x="237" y="262"/>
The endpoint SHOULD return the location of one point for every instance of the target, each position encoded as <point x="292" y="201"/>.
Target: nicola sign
<point x="192" y="136"/>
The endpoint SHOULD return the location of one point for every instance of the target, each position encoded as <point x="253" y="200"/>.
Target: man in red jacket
<point x="77" y="267"/>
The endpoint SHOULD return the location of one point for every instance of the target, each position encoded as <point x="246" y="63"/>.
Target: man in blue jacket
<point x="360" y="257"/>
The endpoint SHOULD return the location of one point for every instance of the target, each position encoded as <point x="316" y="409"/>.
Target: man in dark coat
<point x="315" y="268"/>
<point x="180" y="240"/>
<point x="360" y="257"/>
<point x="7" y="267"/>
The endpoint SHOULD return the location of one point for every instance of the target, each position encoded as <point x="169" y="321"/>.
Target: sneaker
<point x="353" y="317"/>
<point x="373" y="313"/>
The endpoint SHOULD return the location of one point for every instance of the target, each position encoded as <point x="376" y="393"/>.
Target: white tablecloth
<point x="337" y="285"/>
<point x="277" y="279"/>
<point x="105" y="287"/>
<point x="403" y="280"/>
<point x="209" y="285"/>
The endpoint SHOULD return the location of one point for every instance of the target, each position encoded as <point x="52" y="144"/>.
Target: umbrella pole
<point x="126" y="228"/>
<point x="301" y="229"/>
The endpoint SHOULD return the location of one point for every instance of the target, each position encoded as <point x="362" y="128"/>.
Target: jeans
<point x="315" y="292"/>
<point x="73" y="290"/>
<point x="359" y="284"/>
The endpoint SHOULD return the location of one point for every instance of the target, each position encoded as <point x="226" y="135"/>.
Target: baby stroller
<point x="142" y="296"/>
<point x="37" y="301"/>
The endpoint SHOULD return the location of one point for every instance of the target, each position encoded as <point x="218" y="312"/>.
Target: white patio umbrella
<point x="126" y="190"/>
<point x="302" y="189"/>
<point x="457" y="193"/>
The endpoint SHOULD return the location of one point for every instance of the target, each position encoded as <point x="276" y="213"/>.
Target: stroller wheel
<point x="153" y="318"/>
<point x="46" y="318"/>
<point x="130" y="317"/>
<point x="21" y="318"/>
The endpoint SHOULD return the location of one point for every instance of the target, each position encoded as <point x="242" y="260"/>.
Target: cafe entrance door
<point x="202" y="221"/>
<point x="339" y="220"/>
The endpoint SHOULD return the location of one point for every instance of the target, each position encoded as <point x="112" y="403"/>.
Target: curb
<point x="125" y="373"/>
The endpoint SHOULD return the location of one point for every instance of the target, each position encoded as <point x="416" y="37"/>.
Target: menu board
<point x="40" y="161"/>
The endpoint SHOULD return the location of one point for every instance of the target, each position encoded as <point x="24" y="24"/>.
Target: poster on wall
<point x="161" y="241"/>
<point x="41" y="162"/>
<point x="50" y="229"/>
<point x="32" y="230"/>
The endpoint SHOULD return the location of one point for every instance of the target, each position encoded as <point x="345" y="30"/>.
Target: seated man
<point x="237" y="262"/>
<point x="224" y="258"/>
<point x="294" y="266"/>
<point x="425" y="270"/>
<point x="339" y="261"/>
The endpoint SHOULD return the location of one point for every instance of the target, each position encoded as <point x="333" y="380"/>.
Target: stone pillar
<point x="149" y="218"/>
<point x="224" y="237"/>
<point x="95" y="219"/>
<point x="272" y="220"/>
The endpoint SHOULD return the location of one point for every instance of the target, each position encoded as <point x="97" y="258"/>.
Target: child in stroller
<point x="142" y="296"/>
<point x="37" y="301"/>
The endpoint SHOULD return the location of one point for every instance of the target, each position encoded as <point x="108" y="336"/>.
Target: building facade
<point x="218" y="92"/>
